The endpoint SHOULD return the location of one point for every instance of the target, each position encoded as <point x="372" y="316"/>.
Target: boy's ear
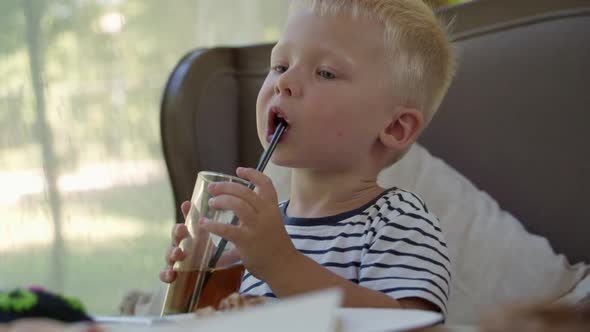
<point x="403" y="129"/>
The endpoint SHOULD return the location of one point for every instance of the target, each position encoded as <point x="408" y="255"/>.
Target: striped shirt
<point x="392" y="244"/>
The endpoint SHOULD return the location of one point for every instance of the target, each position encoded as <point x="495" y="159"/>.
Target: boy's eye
<point x="279" y="68"/>
<point x="326" y="74"/>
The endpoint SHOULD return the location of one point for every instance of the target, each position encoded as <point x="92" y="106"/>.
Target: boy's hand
<point x="174" y="253"/>
<point x="260" y="236"/>
<point x="236" y="301"/>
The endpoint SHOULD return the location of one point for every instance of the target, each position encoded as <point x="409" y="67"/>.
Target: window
<point x="85" y="203"/>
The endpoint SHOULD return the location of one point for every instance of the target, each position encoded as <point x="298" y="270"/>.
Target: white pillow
<point x="578" y="295"/>
<point x="494" y="260"/>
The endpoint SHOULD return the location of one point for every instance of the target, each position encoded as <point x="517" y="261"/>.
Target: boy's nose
<point x="286" y="88"/>
<point x="283" y="91"/>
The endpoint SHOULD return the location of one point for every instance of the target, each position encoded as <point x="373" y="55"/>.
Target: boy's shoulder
<point x="404" y="200"/>
<point x="402" y="207"/>
<point x="398" y="201"/>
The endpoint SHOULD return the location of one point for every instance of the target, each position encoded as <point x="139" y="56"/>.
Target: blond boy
<point x="356" y="81"/>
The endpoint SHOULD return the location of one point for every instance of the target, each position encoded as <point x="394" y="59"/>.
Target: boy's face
<point x="329" y="79"/>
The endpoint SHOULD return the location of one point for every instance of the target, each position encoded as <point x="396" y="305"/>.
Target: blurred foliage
<point x="103" y="89"/>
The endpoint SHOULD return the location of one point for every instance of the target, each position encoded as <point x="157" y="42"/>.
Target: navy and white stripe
<point x="392" y="244"/>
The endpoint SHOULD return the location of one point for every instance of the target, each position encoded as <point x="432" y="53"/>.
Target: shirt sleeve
<point x="408" y="257"/>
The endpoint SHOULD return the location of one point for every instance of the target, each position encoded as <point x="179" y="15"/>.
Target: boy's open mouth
<point x="275" y="114"/>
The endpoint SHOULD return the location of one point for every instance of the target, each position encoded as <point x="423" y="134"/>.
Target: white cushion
<point x="580" y="294"/>
<point x="494" y="260"/>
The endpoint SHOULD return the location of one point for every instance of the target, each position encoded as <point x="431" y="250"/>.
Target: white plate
<point x="143" y="320"/>
<point x="385" y="320"/>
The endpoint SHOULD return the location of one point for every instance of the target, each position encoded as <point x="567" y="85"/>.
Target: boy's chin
<point x="293" y="164"/>
<point x="278" y="160"/>
<point x="282" y="158"/>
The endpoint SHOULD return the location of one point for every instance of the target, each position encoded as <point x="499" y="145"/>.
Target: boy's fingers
<point x="235" y="189"/>
<point x="226" y="231"/>
<point x="185" y="207"/>
<point x="263" y="183"/>
<point x="167" y="275"/>
<point x="243" y="210"/>
<point x="179" y="232"/>
<point x="174" y="254"/>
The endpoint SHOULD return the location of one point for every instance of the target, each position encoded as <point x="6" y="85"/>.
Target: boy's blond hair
<point x="422" y="58"/>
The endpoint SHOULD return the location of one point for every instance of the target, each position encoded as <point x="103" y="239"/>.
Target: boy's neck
<point x="318" y="194"/>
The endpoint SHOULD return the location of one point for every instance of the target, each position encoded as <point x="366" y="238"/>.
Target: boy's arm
<point x="300" y="274"/>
